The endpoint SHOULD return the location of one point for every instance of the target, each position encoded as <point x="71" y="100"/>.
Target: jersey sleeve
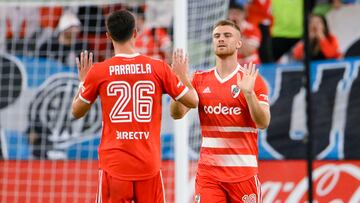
<point x="194" y="80"/>
<point x="89" y="91"/>
<point x="171" y="84"/>
<point x="261" y="91"/>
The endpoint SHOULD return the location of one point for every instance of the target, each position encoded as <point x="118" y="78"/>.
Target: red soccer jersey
<point x="130" y="89"/>
<point x="229" y="151"/>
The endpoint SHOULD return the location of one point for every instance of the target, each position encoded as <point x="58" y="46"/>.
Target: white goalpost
<point x="181" y="133"/>
<point x="193" y="23"/>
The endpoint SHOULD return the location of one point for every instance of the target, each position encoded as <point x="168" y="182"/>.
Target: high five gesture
<point x="180" y="63"/>
<point x="180" y="66"/>
<point x="84" y="64"/>
<point x="246" y="83"/>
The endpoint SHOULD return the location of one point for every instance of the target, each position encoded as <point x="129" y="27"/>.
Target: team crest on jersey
<point x="235" y="91"/>
<point x="197" y="198"/>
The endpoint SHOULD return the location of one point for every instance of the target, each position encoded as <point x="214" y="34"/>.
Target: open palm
<point x="246" y="83"/>
<point x="180" y="63"/>
<point x="84" y="64"/>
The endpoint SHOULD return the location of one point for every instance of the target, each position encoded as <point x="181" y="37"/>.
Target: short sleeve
<point x="171" y="84"/>
<point x="194" y="80"/>
<point x="89" y="91"/>
<point x="261" y="91"/>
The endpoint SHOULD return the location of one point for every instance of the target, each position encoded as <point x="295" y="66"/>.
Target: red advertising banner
<point x="334" y="181"/>
<point x="76" y="181"/>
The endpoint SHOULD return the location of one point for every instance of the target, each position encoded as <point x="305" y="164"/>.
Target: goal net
<point x="46" y="155"/>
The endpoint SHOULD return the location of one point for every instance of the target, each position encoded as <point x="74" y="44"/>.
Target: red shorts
<point x="211" y="191"/>
<point x="111" y="189"/>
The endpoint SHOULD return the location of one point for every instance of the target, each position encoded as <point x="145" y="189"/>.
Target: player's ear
<point x="108" y="36"/>
<point x="135" y="33"/>
<point x="238" y="44"/>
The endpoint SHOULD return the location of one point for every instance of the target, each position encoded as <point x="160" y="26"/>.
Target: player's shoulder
<point x="107" y="61"/>
<point x="101" y="66"/>
<point x="201" y="74"/>
<point x="155" y="62"/>
<point x="150" y="59"/>
<point x="96" y="66"/>
<point x="204" y="72"/>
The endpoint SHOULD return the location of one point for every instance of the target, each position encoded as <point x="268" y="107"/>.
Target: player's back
<point x="130" y="89"/>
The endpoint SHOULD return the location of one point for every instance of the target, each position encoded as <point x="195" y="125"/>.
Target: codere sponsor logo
<point x="220" y="109"/>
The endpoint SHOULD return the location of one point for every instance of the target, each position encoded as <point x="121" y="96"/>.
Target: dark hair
<point x="324" y="21"/>
<point x="120" y="25"/>
<point x="226" y="23"/>
<point x="234" y="5"/>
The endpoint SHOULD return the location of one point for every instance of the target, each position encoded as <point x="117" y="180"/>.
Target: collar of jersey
<point x="128" y="55"/>
<point x="238" y="67"/>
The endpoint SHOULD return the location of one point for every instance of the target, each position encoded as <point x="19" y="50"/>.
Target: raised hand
<point x="84" y="64"/>
<point x="180" y="63"/>
<point x="320" y="33"/>
<point x="246" y="83"/>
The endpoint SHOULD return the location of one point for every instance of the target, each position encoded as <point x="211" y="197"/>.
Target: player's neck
<point x="124" y="48"/>
<point x="225" y="66"/>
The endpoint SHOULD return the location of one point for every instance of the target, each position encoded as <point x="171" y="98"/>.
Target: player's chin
<point x="221" y="53"/>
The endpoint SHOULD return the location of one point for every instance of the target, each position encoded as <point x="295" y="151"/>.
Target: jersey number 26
<point x="138" y="94"/>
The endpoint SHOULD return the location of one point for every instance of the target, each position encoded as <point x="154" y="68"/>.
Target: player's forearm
<point x="185" y="79"/>
<point x="76" y="97"/>
<point x="79" y="108"/>
<point x="75" y="110"/>
<point x="190" y="99"/>
<point x="259" y="114"/>
<point x="177" y="109"/>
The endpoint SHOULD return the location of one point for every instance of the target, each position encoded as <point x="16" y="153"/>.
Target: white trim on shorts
<point x="258" y="189"/>
<point x="162" y="186"/>
<point x="98" y="195"/>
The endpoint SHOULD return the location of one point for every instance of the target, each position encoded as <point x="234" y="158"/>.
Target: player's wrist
<point x="185" y="79"/>
<point x="81" y="84"/>
<point x="249" y="93"/>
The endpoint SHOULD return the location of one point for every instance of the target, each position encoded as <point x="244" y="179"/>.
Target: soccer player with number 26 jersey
<point x="130" y="87"/>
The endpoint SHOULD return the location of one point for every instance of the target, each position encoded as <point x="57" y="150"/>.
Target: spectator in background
<point x="151" y="41"/>
<point x="251" y="35"/>
<point x="323" y="44"/>
<point x="287" y="28"/>
<point x="49" y="19"/>
<point x="18" y="24"/>
<point x="259" y="14"/>
<point x="65" y="44"/>
<point x="92" y="18"/>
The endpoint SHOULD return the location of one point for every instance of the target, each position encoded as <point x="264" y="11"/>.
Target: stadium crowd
<point x="271" y="30"/>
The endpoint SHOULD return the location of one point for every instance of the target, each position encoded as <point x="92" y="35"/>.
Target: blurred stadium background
<point x="46" y="156"/>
